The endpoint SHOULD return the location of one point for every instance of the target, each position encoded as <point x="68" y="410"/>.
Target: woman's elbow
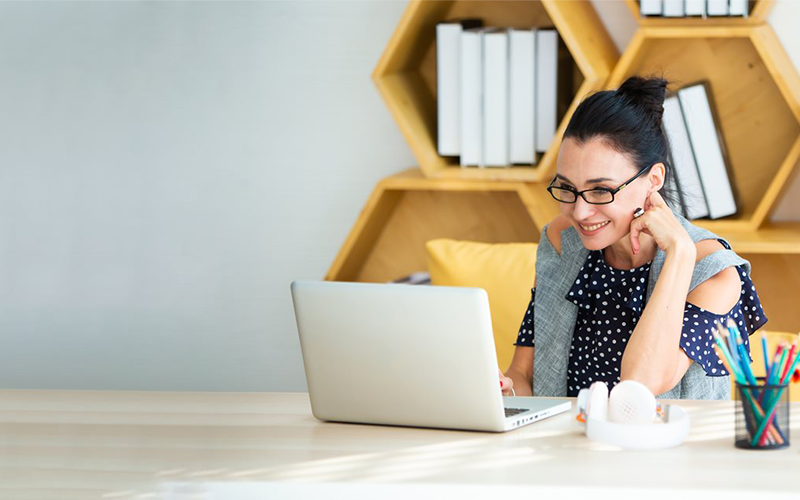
<point x="657" y="383"/>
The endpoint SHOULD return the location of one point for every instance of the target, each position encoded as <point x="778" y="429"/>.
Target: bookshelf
<point x="756" y="89"/>
<point x="406" y="73"/>
<point x="759" y="10"/>
<point x="406" y="210"/>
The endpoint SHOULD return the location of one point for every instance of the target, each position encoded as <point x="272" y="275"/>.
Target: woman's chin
<point x="597" y="241"/>
<point x="593" y="243"/>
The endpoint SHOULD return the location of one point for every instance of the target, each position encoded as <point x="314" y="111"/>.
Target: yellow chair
<point x="504" y="270"/>
<point x="757" y="354"/>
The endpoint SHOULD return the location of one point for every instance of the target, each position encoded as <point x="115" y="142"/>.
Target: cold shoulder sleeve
<point x="698" y="326"/>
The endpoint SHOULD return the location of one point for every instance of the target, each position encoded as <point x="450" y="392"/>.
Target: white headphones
<point x="630" y="418"/>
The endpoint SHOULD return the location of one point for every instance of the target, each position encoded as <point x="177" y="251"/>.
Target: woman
<point x="620" y="294"/>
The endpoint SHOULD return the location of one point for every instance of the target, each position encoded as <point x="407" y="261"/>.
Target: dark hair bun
<point x="646" y="94"/>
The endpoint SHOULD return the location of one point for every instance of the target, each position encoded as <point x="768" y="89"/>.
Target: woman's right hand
<point x="506" y="384"/>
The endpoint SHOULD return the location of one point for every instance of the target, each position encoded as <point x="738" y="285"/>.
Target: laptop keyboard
<point x="510" y="412"/>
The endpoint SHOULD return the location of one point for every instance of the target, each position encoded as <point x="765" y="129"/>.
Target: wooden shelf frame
<point x="406" y="72"/>
<point x="759" y="12"/>
<point x="406" y="210"/>
<point x="756" y="90"/>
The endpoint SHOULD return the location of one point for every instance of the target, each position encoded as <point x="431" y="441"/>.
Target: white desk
<point x="126" y="445"/>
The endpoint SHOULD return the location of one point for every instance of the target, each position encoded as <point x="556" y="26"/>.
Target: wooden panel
<point x="777" y="280"/>
<point x="420" y="216"/>
<point x="775" y="238"/>
<point x="404" y="50"/>
<point x="414" y="110"/>
<point x="362" y="237"/>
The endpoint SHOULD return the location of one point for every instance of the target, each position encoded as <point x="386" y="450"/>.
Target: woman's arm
<point x="521" y="371"/>
<point x="653" y="355"/>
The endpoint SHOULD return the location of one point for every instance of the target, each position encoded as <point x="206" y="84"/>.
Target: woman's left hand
<point x="659" y="222"/>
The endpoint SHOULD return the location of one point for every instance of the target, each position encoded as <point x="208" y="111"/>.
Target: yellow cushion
<point x="504" y="270"/>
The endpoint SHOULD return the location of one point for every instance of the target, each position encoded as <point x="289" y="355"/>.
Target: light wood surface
<point x="777" y="280"/>
<point x="406" y="73"/>
<point x="408" y="209"/>
<point x="136" y="445"/>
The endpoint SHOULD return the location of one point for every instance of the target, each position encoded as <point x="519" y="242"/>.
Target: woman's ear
<point x="656" y="176"/>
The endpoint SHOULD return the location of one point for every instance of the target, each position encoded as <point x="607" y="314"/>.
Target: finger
<point x="506" y="384"/>
<point x="656" y="200"/>
<point x="634" y="235"/>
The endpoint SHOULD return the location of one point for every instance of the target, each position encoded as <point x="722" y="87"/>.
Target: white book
<point x="650" y="7"/>
<point x="522" y="102"/>
<point x="695" y="7"/>
<point x="674" y="8"/>
<point x="448" y="42"/>
<point x="471" y="98"/>
<point x="495" y="98"/>
<point x="687" y="179"/>
<point x="717" y="7"/>
<point x="708" y="152"/>
<point x="738" y="8"/>
<point x="546" y="87"/>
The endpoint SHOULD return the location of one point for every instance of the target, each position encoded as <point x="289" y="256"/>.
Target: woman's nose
<point x="582" y="210"/>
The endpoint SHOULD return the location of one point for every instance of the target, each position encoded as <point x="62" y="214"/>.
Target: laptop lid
<point x="399" y="354"/>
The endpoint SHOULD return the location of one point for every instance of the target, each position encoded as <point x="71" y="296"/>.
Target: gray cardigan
<point x="554" y="317"/>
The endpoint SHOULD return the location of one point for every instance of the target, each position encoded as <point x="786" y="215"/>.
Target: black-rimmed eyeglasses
<point x="595" y="196"/>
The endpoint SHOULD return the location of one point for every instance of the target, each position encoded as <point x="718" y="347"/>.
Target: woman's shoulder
<point x="706" y="247"/>
<point x="554" y="228"/>
<point x="720" y="289"/>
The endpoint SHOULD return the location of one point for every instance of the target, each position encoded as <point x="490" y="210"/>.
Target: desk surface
<point x="96" y="444"/>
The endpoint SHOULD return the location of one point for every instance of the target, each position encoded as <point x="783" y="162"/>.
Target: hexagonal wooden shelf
<point x="759" y="10"/>
<point x="756" y="91"/>
<point x="406" y="73"/>
<point x="408" y="209"/>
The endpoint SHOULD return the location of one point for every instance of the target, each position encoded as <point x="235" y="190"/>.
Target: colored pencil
<point x="773" y="433"/>
<point x="764" y="352"/>
<point x="758" y="438"/>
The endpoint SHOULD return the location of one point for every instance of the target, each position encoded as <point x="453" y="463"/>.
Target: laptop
<point x="406" y="355"/>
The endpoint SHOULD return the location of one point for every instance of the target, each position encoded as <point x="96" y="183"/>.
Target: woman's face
<point x="597" y="165"/>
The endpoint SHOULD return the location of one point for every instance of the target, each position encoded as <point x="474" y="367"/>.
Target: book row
<point x="699" y="158"/>
<point x="693" y="8"/>
<point x="496" y="93"/>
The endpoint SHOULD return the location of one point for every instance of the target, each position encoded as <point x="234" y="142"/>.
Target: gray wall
<point x="167" y="169"/>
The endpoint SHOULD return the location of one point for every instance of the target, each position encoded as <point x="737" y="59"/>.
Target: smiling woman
<point x="625" y="287"/>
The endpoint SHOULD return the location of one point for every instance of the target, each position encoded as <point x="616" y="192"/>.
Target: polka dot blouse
<point x="610" y="302"/>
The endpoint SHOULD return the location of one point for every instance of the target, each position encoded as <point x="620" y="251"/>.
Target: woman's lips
<point x="592" y="229"/>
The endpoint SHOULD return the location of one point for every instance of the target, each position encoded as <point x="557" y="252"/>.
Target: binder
<point x="695" y="7"/>
<point x="495" y="98"/>
<point x="738" y="8"/>
<point x="471" y="126"/>
<point x="650" y="7"/>
<point x="674" y="8"/>
<point x="448" y="47"/>
<point x="522" y="101"/>
<point x="717" y="7"/>
<point x="709" y="152"/>
<point x="546" y="87"/>
<point x="687" y="178"/>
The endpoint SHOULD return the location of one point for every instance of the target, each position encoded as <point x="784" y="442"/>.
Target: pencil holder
<point x="762" y="416"/>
